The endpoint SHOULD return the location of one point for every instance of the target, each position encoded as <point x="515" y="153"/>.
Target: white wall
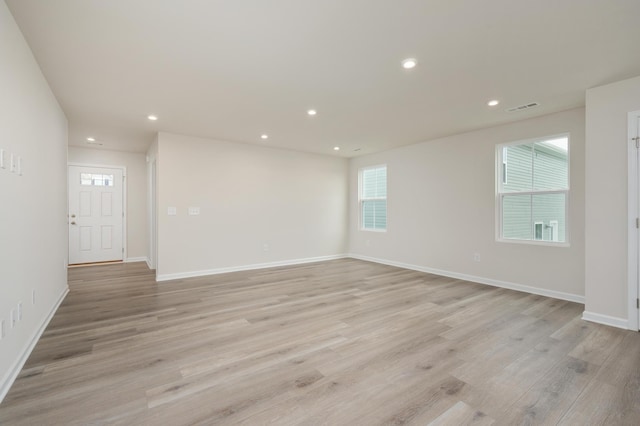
<point x="606" y="198"/>
<point x="33" y="210"/>
<point x="441" y="210"/>
<point x="248" y="196"/>
<point x="137" y="226"/>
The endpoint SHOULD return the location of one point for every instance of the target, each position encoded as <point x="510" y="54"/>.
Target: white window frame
<point x="361" y="199"/>
<point x="500" y="194"/>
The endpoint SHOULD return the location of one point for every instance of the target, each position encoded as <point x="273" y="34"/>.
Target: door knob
<point x="73" y="223"/>
<point x="73" y="215"/>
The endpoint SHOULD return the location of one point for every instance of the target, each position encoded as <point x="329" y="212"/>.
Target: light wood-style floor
<point x="343" y="342"/>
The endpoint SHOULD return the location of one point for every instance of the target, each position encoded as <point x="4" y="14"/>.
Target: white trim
<point x="480" y="280"/>
<point x="12" y="374"/>
<point x="191" y="274"/>
<point x="152" y="195"/>
<point x="137" y="259"/>
<point x="534" y="242"/>
<point x="633" y="213"/>
<point x="605" y="320"/>
<point x="97" y="166"/>
<point x="373" y="230"/>
<point x="124" y="200"/>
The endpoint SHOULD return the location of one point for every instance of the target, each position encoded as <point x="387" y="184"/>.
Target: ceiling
<point x="236" y="69"/>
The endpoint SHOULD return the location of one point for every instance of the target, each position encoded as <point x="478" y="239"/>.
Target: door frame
<point x="153" y="215"/>
<point x="124" y="202"/>
<point x="633" y="263"/>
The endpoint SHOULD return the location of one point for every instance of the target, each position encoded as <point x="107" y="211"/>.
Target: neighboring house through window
<point x="532" y="199"/>
<point x="372" y="183"/>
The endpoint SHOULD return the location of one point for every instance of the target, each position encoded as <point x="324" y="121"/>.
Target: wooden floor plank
<point x="338" y="343"/>
<point x="462" y="414"/>
<point x="547" y="401"/>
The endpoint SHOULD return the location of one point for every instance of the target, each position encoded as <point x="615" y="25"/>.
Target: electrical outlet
<point x="265" y="247"/>
<point x="1" y="329"/>
<point x="19" y="312"/>
<point x="12" y="163"/>
<point x="12" y="318"/>
<point x="476" y="257"/>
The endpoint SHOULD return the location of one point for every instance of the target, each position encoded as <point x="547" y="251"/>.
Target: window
<point x="91" y="179"/>
<point x="532" y="202"/>
<point x="373" y="198"/>
<point x="553" y="224"/>
<point x="538" y="230"/>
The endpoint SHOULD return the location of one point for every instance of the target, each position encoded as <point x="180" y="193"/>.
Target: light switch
<point x="19" y="166"/>
<point x="172" y="211"/>
<point x="194" y="211"/>
<point x="2" y="163"/>
<point x="12" y="163"/>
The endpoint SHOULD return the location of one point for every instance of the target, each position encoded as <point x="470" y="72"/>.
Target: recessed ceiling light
<point x="312" y="112"/>
<point x="90" y="139"/>
<point x="264" y="136"/>
<point x="152" y="117"/>
<point x="409" y="63"/>
<point x="493" y="102"/>
<point x="336" y="148"/>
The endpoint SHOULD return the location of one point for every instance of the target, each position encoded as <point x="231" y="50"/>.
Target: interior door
<point x="95" y="214"/>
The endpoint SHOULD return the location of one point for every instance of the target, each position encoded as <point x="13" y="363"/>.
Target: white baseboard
<point x="148" y="263"/>
<point x="12" y="374"/>
<point x="136" y="259"/>
<point x="606" y="320"/>
<point x="481" y="280"/>
<point x="191" y="274"/>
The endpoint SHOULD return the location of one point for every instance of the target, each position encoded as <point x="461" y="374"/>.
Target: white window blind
<point x="373" y="198"/>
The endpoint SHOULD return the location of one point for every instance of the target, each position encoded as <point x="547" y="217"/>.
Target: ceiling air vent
<point x="523" y="107"/>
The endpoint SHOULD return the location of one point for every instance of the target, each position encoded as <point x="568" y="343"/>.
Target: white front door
<point x="95" y="214"/>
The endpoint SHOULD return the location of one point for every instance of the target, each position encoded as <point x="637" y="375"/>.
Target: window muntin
<point x="373" y="198"/>
<point x="532" y="201"/>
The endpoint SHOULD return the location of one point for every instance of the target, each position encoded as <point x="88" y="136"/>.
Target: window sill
<point x="533" y="242"/>
<point x="373" y="230"/>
